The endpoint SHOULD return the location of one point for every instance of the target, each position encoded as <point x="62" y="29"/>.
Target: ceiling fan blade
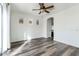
<point x="46" y="11"/>
<point x="49" y="7"/>
<point x="36" y="9"/>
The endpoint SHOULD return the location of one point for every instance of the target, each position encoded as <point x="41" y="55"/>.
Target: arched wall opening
<point x="50" y="29"/>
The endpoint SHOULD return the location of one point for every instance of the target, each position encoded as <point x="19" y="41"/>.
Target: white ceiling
<point x="27" y="7"/>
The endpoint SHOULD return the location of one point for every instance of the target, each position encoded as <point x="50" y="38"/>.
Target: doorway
<point x="50" y="30"/>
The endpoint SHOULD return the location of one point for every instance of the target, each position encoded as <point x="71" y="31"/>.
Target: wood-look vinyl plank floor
<point x="45" y="47"/>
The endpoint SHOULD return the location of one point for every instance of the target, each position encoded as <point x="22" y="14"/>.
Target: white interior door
<point x="5" y="28"/>
<point x="0" y="29"/>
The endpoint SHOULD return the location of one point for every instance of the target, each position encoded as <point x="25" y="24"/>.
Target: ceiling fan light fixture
<point x="44" y="8"/>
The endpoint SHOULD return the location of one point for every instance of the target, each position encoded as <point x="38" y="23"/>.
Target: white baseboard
<point x="68" y="43"/>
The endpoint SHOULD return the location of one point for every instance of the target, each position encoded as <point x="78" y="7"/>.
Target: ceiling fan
<point x="43" y="8"/>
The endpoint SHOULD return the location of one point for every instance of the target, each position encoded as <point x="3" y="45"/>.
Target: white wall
<point x="67" y="26"/>
<point x="30" y="30"/>
<point x="8" y="25"/>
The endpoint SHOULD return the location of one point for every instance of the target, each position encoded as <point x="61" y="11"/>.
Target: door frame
<point x="52" y="20"/>
<point x="1" y="29"/>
